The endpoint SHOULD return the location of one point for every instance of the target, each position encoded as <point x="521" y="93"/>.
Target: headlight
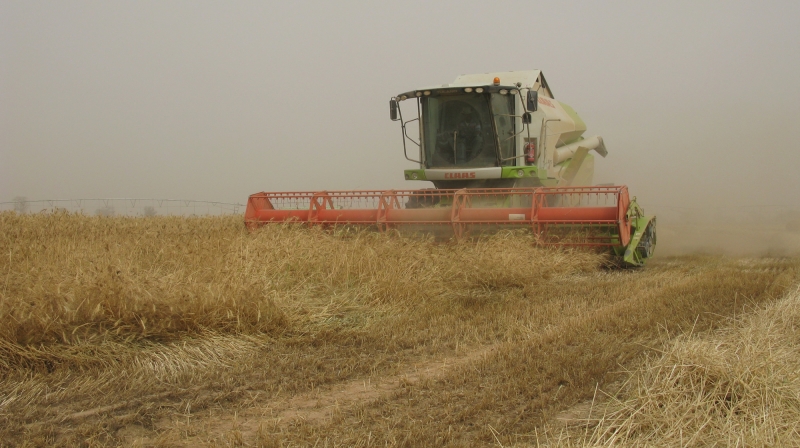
<point x="427" y="92"/>
<point x="414" y="176"/>
<point x="403" y="98"/>
<point x="419" y="93"/>
<point x="479" y="90"/>
<point x="503" y="91"/>
<point x="468" y="89"/>
<point x="520" y="173"/>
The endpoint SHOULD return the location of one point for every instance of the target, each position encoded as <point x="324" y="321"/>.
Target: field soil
<point x="194" y="332"/>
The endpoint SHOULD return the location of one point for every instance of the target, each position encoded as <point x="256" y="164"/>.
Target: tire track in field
<point x="318" y="406"/>
<point x="259" y="415"/>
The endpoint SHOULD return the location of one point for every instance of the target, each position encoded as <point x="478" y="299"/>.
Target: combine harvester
<point x="502" y="154"/>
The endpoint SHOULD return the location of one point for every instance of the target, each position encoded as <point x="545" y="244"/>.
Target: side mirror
<point x="393" y="109"/>
<point x="526" y="118"/>
<point x="533" y="100"/>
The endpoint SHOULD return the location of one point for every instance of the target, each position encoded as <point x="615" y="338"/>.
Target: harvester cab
<point x="502" y="154"/>
<point x="495" y="130"/>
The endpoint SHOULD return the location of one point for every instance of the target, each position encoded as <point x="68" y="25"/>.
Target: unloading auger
<point x="497" y="161"/>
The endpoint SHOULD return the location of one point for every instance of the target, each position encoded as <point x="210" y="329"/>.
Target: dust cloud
<point x="697" y="101"/>
<point x="771" y="234"/>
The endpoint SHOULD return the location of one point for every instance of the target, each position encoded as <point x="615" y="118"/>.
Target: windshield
<point x="459" y="130"/>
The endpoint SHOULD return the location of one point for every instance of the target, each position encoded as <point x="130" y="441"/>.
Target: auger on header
<point x="502" y="153"/>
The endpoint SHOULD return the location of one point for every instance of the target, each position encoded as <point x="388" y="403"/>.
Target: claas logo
<point x="545" y="101"/>
<point x="467" y="175"/>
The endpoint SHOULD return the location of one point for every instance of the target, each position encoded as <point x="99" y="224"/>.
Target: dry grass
<point x="739" y="386"/>
<point x="72" y="279"/>
<point x="119" y="329"/>
<point x="100" y="295"/>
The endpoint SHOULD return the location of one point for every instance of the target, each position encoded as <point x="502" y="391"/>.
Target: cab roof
<point x="527" y="79"/>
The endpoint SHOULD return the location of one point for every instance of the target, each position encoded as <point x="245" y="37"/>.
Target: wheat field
<point x="174" y="331"/>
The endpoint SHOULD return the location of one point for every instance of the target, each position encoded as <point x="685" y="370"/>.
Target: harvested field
<point x="191" y="331"/>
<point x="737" y="386"/>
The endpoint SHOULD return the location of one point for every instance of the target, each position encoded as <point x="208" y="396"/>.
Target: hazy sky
<point x="698" y="102"/>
